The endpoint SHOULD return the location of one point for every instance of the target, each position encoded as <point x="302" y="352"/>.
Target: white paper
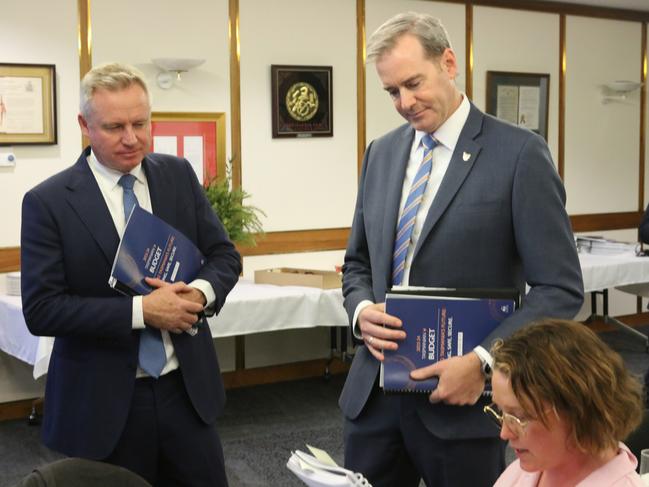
<point x="507" y="96"/>
<point x="528" y="107"/>
<point x="165" y="144"/>
<point x="194" y="154"/>
<point x="21" y="105"/>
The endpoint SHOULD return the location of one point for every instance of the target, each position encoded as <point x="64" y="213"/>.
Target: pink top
<point x="619" y="472"/>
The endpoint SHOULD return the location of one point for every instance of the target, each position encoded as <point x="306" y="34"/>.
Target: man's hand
<point x="461" y="381"/>
<point x="171" y="307"/>
<point x="377" y="337"/>
<point x="194" y="295"/>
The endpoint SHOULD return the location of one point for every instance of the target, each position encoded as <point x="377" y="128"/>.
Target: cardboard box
<point x="289" y="276"/>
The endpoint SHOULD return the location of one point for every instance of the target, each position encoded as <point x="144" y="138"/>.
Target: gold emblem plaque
<point x="302" y="101"/>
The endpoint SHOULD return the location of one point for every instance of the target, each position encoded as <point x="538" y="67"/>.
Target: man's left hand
<point x="461" y="381"/>
<point x="194" y="295"/>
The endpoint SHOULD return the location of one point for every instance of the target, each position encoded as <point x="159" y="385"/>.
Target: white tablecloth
<point x="605" y="271"/>
<point x="254" y="308"/>
<point x="249" y="308"/>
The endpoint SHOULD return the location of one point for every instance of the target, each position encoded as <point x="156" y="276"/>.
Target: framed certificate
<point x="520" y="98"/>
<point x="27" y="104"/>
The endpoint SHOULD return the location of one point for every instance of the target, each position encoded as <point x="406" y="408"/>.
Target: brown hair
<point x="565" y="365"/>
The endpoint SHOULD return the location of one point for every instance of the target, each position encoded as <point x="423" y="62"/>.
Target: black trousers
<point x="165" y="441"/>
<point x="391" y="447"/>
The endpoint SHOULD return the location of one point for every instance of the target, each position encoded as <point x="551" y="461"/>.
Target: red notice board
<point x="198" y="137"/>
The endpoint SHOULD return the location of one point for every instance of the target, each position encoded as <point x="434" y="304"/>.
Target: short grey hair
<point x="111" y="77"/>
<point x="429" y="30"/>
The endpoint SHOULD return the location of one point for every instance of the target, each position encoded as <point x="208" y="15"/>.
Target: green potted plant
<point x="241" y="221"/>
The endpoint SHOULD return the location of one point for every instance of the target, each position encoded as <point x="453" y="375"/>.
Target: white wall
<point x="40" y="32"/>
<point x="304" y="183"/>
<point x="602" y="140"/>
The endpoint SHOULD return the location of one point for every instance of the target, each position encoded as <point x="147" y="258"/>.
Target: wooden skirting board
<point x="320" y="240"/>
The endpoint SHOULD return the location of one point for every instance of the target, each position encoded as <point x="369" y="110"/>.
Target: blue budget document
<point x="150" y="247"/>
<point x="439" y="324"/>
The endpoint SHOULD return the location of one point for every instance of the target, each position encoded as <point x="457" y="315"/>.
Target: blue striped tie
<point x="407" y="220"/>
<point x="151" y="355"/>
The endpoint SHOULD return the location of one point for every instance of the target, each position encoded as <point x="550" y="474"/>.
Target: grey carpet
<point x="261" y="426"/>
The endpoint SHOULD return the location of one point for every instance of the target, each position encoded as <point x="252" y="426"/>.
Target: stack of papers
<point x="318" y="469"/>
<point x="603" y="246"/>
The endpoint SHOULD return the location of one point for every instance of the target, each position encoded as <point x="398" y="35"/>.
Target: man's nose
<point x="129" y="137"/>
<point x="407" y="99"/>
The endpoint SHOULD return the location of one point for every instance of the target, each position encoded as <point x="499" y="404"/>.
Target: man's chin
<point x="422" y="123"/>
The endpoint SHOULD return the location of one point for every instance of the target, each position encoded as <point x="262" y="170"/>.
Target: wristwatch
<point x="486" y="361"/>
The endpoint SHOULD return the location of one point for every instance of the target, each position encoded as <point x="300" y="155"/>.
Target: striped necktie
<point x="151" y="355"/>
<point x="407" y="220"/>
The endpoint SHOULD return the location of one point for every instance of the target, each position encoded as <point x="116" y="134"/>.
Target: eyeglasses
<point x="515" y="425"/>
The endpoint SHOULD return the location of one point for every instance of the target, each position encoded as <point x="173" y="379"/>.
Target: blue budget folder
<point x="150" y="247"/>
<point x="439" y="324"/>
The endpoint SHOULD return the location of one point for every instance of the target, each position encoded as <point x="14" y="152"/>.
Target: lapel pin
<point x="466" y="156"/>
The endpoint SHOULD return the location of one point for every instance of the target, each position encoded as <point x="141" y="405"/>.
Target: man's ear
<point x="83" y="124"/>
<point x="448" y="62"/>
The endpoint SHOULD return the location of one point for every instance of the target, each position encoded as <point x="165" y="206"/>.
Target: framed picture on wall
<point x="302" y="101"/>
<point x="27" y="104"/>
<point x="520" y="98"/>
<point x="198" y="137"/>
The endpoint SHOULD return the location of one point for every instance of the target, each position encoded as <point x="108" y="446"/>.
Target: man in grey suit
<point x="492" y="214"/>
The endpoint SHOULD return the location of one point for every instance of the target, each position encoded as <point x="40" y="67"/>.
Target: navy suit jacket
<point x="497" y="220"/>
<point x="68" y="242"/>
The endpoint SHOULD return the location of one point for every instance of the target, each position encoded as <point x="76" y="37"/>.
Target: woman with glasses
<point x="564" y="401"/>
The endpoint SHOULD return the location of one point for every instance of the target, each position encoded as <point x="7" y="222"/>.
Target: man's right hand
<point x="164" y="308"/>
<point x="376" y="336"/>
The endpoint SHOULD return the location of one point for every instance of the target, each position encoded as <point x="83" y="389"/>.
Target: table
<point x="624" y="271"/>
<point x="249" y="308"/>
<point x="255" y="308"/>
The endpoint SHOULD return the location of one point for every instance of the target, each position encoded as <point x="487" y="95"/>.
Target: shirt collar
<point x="111" y="175"/>
<point x="449" y="132"/>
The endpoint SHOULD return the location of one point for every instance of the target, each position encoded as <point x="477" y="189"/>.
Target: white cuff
<point x="137" y="320"/>
<point x="356" y="329"/>
<point x="206" y="288"/>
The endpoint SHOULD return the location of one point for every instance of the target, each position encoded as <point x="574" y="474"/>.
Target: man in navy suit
<point x="488" y="212"/>
<point x="100" y="402"/>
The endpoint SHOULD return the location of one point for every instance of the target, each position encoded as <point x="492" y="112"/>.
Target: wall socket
<point x="7" y="159"/>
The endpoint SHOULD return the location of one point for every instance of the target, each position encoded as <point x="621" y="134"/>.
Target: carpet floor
<point x="261" y="426"/>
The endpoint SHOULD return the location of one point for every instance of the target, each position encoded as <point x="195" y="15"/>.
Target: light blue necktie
<point x="151" y="356"/>
<point x="407" y="220"/>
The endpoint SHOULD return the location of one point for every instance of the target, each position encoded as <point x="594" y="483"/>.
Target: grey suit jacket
<point x="498" y="220"/>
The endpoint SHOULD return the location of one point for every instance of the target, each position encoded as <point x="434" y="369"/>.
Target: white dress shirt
<point x="107" y="180"/>
<point x="447" y="136"/>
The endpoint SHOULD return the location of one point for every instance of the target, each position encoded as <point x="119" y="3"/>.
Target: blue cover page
<point x="437" y="328"/>
<point x="150" y="247"/>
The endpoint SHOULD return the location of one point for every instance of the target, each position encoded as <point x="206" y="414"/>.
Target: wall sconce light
<point x="618" y="90"/>
<point x="171" y="66"/>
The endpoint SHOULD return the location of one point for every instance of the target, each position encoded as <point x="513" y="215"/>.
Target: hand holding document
<point x="318" y="469"/>
<point x="152" y="248"/>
